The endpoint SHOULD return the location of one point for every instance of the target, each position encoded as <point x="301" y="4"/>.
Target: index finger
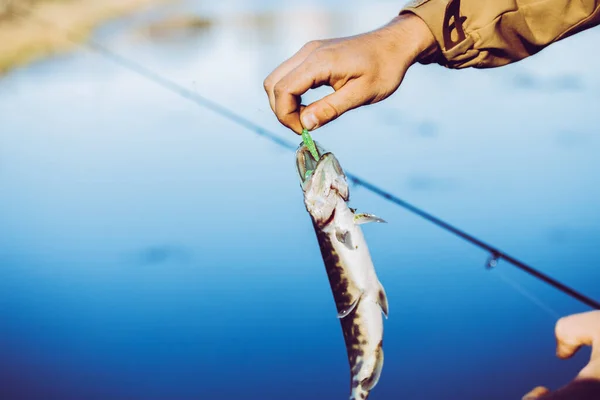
<point x="578" y="330"/>
<point x="285" y="67"/>
<point x="313" y="72"/>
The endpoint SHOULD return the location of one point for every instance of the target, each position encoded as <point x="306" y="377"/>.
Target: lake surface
<point x="152" y="249"/>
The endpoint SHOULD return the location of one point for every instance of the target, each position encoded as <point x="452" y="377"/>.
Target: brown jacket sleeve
<point x="491" y="33"/>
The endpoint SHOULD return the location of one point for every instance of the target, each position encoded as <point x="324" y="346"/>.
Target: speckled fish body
<point x="359" y="296"/>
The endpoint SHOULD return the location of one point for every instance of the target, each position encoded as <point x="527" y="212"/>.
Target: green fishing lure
<point x="308" y="142"/>
<point x="310" y="145"/>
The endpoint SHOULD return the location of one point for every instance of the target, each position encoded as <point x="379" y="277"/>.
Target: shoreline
<point x="25" y="38"/>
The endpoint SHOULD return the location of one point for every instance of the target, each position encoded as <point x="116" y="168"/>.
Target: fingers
<point x="571" y="333"/>
<point x="285" y="68"/>
<point x="536" y="393"/>
<point x="348" y="97"/>
<point x="311" y="73"/>
<point x="578" y="330"/>
<point x="316" y="70"/>
<point x="285" y="87"/>
<point x="575" y="331"/>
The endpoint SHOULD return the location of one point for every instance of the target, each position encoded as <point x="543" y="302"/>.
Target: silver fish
<point x="359" y="296"/>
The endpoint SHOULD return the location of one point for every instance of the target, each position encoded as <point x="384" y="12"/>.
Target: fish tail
<point x="359" y="394"/>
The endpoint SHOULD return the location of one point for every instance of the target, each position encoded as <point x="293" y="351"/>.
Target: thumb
<point x="575" y="331"/>
<point x="330" y="107"/>
<point x="536" y="393"/>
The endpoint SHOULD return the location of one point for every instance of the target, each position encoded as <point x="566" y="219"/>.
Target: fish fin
<point x="363" y="218"/>
<point x="382" y="300"/>
<point x="370" y="382"/>
<point x="351" y="307"/>
<point x="345" y="238"/>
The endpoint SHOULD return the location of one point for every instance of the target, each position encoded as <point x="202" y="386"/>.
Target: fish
<point x="360" y="298"/>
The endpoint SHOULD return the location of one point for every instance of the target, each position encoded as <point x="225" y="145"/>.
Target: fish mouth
<point x="323" y="183"/>
<point x="305" y="162"/>
<point x="326" y="173"/>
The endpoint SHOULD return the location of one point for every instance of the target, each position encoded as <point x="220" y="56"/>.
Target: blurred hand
<point x="362" y="69"/>
<point x="572" y="332"/>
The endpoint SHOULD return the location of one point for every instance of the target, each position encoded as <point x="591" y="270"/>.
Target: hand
<point x="362" y="69"/>
<point x="572" y="332"/>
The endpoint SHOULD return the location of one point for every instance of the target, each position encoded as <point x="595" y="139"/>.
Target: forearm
<point x="491" y="33"/>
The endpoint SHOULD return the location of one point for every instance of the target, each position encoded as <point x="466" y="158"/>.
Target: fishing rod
<point x="495" y="254"/>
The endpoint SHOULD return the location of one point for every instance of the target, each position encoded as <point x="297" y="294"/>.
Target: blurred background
<point x="152" y="249"/>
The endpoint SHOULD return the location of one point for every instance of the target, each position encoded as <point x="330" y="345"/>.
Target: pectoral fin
<point x="345" y="312"/>
<point x="345" y="238"/>
<point x="363" y="218"/>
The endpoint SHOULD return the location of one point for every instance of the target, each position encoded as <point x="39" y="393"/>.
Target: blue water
<point x="151" y="249"/>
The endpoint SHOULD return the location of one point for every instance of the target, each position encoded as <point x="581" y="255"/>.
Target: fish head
<point x="323" y="182"/>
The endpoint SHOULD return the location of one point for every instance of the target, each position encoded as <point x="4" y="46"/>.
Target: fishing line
<point x="528" y="295"/>
<point x="495" y="253"/>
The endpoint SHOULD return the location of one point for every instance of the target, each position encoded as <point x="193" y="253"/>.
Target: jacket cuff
<point x="444" y="21"/>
